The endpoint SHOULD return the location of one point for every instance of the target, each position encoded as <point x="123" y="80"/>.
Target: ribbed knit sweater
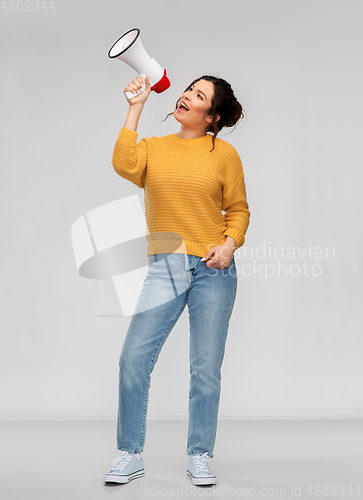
<point x="194" y="197"/>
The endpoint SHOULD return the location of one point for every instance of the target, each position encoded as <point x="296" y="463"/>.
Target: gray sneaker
<point x="125" y="468"/>
<point x="198" y="470"/>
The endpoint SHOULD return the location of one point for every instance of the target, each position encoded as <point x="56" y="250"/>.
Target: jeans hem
<point x="130" y="451"/>
<point x="210" y="454"/>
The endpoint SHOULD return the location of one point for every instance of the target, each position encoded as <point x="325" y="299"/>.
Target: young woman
<point x="197" y="215"/>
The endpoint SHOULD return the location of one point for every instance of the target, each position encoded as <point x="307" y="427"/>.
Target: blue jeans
<point x="174" y="280"/>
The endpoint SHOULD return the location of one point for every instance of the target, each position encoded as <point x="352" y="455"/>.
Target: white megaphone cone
<point x="129" y="49"/>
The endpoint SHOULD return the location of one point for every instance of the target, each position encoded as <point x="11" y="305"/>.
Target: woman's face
<point x="194" y="105"/>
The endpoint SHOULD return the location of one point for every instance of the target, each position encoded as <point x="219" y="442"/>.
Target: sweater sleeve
<point x="130" y="159"/>
<point x="234" y="201"/>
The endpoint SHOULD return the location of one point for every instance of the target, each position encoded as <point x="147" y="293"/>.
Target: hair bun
<point x="237" y="115"/>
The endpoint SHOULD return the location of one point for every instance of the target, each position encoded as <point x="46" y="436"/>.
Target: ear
<point x="210" y="118"/>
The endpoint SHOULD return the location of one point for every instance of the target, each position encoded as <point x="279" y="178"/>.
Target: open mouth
<point x="182" y="108"/>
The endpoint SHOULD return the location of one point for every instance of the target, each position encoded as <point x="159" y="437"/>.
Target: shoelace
<point x="201" y="464"/>
<point x="120" y="463"/>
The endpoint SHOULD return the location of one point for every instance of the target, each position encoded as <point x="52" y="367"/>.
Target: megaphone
<point x="129" y="49"/>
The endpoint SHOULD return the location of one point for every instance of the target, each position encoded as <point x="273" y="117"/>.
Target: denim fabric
<point x="172" y="282"/>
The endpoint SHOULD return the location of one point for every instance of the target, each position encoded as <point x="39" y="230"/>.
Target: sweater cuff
<point x="127" y="136"/>
<point x="236" y="234"/>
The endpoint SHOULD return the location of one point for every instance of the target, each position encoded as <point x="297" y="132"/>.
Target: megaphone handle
<point x="130" y="95"/>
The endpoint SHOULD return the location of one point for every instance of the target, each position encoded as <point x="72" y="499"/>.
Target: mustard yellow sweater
<point x="186" y="189"/>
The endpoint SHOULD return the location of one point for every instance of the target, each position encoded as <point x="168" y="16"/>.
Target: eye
<point x="200" y="97"/>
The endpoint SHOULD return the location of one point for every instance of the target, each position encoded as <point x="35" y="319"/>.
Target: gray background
<point x="295" y="342"/>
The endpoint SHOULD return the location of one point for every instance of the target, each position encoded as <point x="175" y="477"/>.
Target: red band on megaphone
<point x="162" y="84"/>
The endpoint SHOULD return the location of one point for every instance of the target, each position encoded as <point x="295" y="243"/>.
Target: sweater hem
<point x="177" y="244"/>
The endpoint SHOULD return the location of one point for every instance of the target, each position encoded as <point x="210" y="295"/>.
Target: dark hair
<point x="224" y="104"/>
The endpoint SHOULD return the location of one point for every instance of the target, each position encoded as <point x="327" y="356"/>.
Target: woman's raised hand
<point x="135" y="86"/>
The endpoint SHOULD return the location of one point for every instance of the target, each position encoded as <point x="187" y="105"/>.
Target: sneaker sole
<point x="202" y="481"/>
<point x="116" y="478"/>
